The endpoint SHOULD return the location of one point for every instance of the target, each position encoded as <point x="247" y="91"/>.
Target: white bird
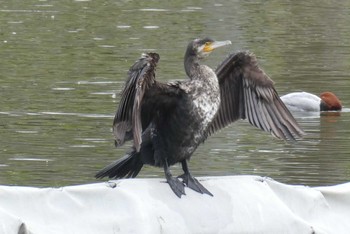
<point x="303" y="101"/>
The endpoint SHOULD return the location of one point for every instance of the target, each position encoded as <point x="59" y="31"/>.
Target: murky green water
<point x="61" y="63"/>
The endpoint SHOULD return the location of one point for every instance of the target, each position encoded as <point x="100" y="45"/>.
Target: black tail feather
<point x="126" y="167"/>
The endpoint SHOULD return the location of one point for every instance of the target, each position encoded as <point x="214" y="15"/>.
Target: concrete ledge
<point x="241" y="204"/>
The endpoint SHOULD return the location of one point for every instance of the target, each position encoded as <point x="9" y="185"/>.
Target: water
<point x="62" y="62"/>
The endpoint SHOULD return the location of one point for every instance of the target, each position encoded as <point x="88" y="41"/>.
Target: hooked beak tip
<point x="218" y="44"/>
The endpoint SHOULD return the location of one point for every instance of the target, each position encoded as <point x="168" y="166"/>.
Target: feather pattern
<point x="127" y="122"/>
<point x="248" y="93"/>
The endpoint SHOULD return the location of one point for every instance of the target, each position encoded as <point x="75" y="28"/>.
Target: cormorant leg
<point x="192" y="182"/>
<point x="175" y="184"/>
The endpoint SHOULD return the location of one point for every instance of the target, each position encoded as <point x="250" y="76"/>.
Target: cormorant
<point x="167" y="121"/>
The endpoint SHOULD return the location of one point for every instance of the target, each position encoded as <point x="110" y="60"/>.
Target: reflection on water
<point x="62" y="64"/>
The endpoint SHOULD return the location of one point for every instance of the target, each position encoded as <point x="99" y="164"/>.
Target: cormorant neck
<point x="191" y="63"/>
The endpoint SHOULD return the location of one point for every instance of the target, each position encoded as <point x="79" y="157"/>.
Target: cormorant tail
<point x="126" y="167"/>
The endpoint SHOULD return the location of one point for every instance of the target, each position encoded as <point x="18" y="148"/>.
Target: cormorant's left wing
<point x="127" y="122"/>
<point x="141" y="101"/>
<point x="248" y="93"/>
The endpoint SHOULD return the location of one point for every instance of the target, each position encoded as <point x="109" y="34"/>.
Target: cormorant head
<point x="201" y="48"/>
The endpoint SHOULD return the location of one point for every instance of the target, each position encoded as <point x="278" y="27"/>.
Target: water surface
<point x="63" y="62"/>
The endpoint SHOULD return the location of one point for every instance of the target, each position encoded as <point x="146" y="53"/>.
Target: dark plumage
<point x="168" y="121"/>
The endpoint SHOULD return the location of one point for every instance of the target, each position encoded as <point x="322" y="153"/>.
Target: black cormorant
<point x="167" y="121"/>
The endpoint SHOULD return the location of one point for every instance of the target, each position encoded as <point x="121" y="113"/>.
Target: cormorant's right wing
<point x="248" y="93"/>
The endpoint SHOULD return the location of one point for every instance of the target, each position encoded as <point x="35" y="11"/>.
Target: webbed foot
<point x="194" y="184"/>
<point x="176" y="185"/>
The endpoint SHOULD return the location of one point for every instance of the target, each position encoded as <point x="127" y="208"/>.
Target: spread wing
<point x="141" y="99"/>
<point x="248" y="93"/>
<point x="127" y="121"/>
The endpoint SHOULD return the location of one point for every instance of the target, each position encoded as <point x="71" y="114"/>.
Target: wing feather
<point x="248" y="93"/>
<point x="127" y="122"/>
<point x="141" y="100"/>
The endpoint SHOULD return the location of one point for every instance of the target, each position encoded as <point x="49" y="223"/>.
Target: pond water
<point x="63" y="62"/>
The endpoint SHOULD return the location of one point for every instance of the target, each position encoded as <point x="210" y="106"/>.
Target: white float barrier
<point x="241" y="204"/>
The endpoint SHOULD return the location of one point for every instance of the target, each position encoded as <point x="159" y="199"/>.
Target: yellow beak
<point x="216" y="44"/>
